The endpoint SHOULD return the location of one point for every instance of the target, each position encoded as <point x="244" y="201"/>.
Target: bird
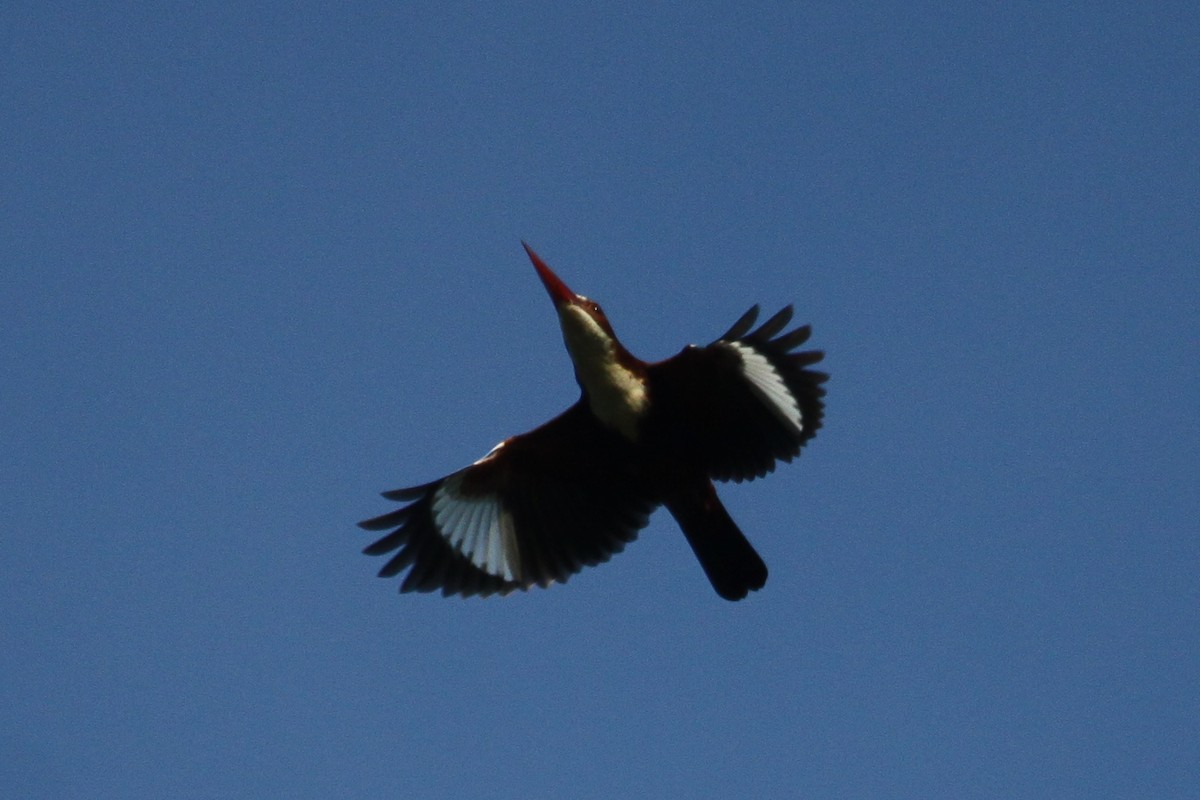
<point x="540" y="506"/>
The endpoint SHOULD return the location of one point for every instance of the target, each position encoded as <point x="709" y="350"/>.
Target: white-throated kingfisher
<point x="541" y="506"/>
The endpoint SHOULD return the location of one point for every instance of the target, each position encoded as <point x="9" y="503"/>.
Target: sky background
<point x="261" y="263"/>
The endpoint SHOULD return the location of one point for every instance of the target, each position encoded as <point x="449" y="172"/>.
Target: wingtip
<point x="740" y="328"/>
<point x="405" y="494"/>
<point x="775" y="324"/>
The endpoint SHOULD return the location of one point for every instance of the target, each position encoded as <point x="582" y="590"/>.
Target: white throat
<point x="617" y="395"/>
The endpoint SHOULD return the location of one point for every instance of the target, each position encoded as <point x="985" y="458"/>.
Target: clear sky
<point x="262" y="261"/>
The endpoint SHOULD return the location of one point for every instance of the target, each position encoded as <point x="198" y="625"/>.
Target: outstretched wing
<point x="536" y="509"/>
<point x="742" y="403"/>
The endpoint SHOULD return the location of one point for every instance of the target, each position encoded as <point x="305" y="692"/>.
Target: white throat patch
<point x="617" y="395"/>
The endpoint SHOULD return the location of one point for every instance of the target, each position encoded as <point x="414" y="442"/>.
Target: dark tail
<point x="729" y="560"/>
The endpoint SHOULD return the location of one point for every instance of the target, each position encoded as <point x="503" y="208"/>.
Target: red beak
<point x="559" y="292"/>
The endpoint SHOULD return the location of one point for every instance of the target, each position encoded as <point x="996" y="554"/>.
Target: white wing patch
<point x="769" y="386"/>
<point x="478" y="528"/>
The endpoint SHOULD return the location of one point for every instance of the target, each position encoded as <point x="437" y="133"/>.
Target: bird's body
<point x="541" y="506"/>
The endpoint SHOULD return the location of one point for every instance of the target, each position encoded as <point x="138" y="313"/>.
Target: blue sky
<point x="262" y="263"/>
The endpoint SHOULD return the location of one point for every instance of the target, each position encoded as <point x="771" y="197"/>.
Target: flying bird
<point x="542" y="505"/>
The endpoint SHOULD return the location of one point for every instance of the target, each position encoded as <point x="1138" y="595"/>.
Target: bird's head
<point x="565" y="299"/>
<point x="599" y="358"/>
<point x="586" y="330"/>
